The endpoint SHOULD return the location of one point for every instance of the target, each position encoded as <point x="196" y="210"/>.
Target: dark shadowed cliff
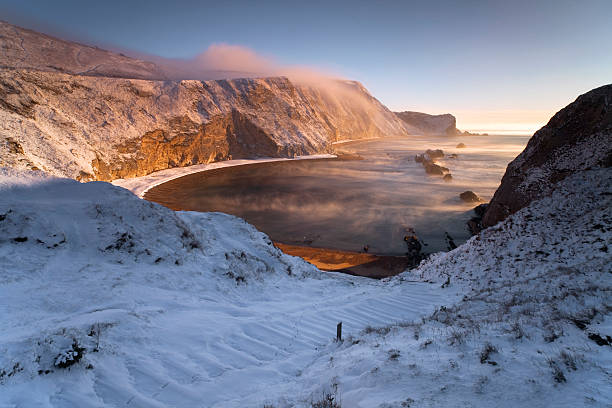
<point x="577" y="138"/>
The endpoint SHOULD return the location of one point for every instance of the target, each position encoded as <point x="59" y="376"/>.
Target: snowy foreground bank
<point x="109" y="300"/>
<point x="140" y="185"/>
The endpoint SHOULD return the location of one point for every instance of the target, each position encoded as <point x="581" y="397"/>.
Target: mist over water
<point x="348" y="204"/>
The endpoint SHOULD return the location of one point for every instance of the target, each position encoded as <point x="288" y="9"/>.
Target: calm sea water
<point x="348" y="204"/>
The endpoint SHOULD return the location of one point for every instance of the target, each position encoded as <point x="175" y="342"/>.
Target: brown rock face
<point x="577" y="138"/>
<point x="186" y="143"/>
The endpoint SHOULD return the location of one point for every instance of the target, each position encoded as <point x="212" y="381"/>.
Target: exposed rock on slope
<point x="577" y="138"/>
<point x="95" y="127"/>
<point x="429" y="124"/>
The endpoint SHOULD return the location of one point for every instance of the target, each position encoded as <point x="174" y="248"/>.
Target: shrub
<point x="70" y="356"/>
<point x="328" y="400"/>
<point x="558" y="375"/>
<point x="486" y="352"/>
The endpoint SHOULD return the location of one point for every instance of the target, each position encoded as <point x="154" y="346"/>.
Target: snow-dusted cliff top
<point x="27" y="49"/>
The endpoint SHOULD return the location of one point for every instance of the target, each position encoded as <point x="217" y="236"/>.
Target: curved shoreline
<point x="140" y="185"/>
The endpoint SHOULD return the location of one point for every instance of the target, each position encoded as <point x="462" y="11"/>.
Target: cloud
<point x="226" y="61"/>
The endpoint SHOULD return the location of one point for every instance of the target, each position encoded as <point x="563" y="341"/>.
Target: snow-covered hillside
<point x="166" y="309"/>
<point x="533" y="327"/>
<point x="159" y="308"/>
<point x="79" y="112"/>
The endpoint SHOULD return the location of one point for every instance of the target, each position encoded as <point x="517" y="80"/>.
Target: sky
<point x="493" y="64"/>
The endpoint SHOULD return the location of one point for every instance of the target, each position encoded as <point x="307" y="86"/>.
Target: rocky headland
<point x="426" y="124"/>
<point x="577" y="138"/>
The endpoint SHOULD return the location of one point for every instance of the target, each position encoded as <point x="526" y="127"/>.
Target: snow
<point x="192" y="309"/>
<point x="140" y="185"/>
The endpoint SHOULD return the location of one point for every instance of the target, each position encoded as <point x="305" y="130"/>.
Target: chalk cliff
<point x="101" y="122"/>
<point x="423" y="123"/>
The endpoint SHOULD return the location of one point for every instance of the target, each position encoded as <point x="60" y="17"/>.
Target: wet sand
<point x="353" y="263"/>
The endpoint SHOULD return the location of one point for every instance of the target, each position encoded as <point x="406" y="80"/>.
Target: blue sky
<point x="503" y="62"/>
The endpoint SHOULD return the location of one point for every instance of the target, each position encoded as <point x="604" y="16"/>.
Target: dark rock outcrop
<point x="577" y="138"/>
<point x="414" y="255"/>
<point x="475" y="223"/>
<point x="435" y="169"/>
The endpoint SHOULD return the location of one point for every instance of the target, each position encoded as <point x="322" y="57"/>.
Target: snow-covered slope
<point x="166" y="309"/>
<point x="536" y="299"/>
<point x="107" y="128"/>
<point x="26" y="49"/>
<point x="199" y="309"/>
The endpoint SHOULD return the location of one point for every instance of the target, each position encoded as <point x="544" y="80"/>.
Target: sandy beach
<point x="353" y="263"/>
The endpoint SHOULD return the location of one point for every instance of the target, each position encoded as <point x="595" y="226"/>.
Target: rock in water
<point x="428" y="158"/>
<point x="447" y="177"/>
<point x="470" y="197"/>
<point x="577" y="138"/>
<point x="435" y="169"/>
<point x="461" y="146"/>
<point x="435" y="154"/>
<point x="450" y="242"/>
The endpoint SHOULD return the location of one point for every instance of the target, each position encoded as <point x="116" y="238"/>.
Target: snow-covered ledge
<point x="140" y="185"/>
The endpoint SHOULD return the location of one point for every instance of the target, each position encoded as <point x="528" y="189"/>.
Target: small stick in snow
<point x="339" y="332"/>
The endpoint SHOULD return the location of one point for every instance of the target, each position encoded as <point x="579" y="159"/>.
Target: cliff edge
<point x="577" y="138"/>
